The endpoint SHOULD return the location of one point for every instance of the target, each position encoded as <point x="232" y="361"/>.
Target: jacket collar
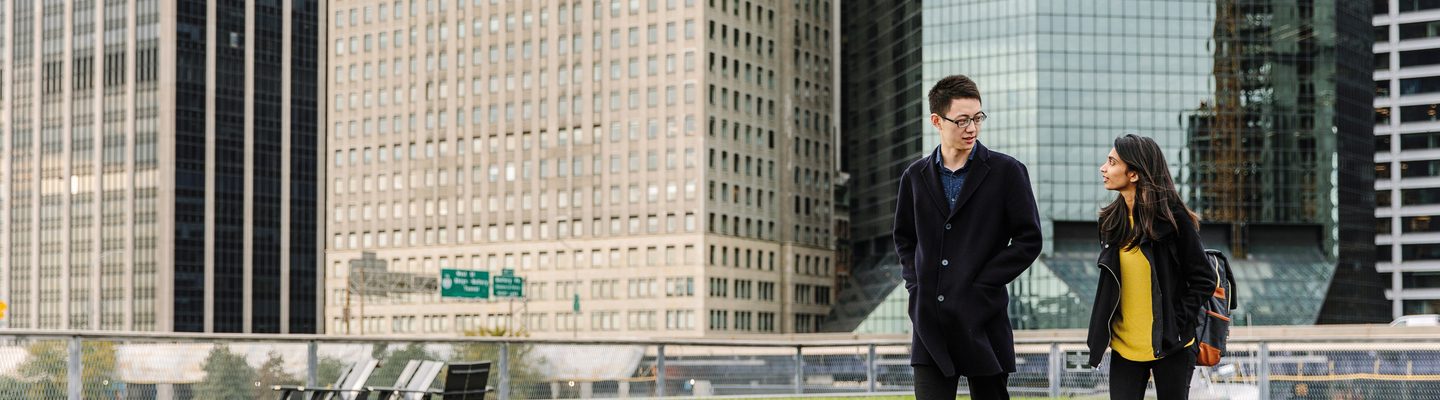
<point x="977" y="167"/>
<point x="1164" y="229"/>
<point x="939" y="158"/>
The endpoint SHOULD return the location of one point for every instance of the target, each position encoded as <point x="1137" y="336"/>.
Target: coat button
<point x="941" y="298"/>
<point x="947" y="227"/>
<point x="944" y="262"/>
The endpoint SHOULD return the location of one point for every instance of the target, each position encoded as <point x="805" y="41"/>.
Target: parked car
<point x="1417" y="320"/>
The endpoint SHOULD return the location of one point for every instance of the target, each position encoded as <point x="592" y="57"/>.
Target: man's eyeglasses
<point x="965" y="120"/>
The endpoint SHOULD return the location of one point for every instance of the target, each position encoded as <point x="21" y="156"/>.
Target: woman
<point x="1153" y="276"/>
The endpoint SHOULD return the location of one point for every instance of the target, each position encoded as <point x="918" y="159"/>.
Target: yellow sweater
<point x="1132" y="329"/>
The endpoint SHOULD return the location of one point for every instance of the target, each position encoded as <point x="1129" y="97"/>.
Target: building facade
<point x="651" y="168"/>
<point x="1060" y="80"/>
<point x="1407" y="190"/>
<point x="161" y="165"/>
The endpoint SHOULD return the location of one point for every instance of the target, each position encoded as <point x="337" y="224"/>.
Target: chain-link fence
<point x="78" y="365"/>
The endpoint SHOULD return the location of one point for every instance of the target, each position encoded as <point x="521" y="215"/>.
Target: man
<point x="965" y="226"/>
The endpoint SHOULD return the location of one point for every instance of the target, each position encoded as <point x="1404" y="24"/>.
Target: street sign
<point x="466" y="284"/>
<point x="577" y="303"/>
<point x="509" y="285"/>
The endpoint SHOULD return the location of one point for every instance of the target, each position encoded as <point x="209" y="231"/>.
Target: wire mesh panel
<point x="893" y="372"/>
<point x="1076" y="377"/>
<point x="38" y="370"/>
<point x="181" y="370"/>
<point x="1354" y="371"/>
<point x="1032" y="371"/>
<point x="836" y="369"/>
<point x="527" y="367"/>
<point x="1236" y="377"/>
<point x="728" y="371"/>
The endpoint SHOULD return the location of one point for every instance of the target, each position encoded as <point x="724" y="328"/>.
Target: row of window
<point x="511" y="232"/>
<point x="1410" y="141"/>
<point x="1409" y="169"/>
<point x="538" y="322"/>
<point x="745" y="321"/>
<point x="524" y="170"/>
<point x="1416" y="113"/>
<point x="563" y="199"/>
<point x="565" y="75"/>
<point x="1410" y="252"/>
<point x="544" y="260"/>
<point x="1418" y="224"/>
<point x="396" y="39"/>
<point x="744" y="289"/>
<point x="1408" y="197"/>
<point x="1382" y="7"/>
<point x="360" y="16"/>
<point x="509" y="112"/>
<point x="440" y="149"/>
<point x="812" y="294"/>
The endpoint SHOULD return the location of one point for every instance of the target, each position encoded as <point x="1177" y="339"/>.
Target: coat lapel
<point x="973" y="179"/>
<point x="932" y="185"/>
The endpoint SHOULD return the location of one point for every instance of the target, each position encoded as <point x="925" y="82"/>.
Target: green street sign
<point x="467" y="284"/>
<point x="509" y="285"/>
<point x="577" y="303"/>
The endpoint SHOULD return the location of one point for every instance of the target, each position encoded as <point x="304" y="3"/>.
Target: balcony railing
<point x="1264" y="363"/>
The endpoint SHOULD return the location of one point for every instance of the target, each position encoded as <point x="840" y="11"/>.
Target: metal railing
<point x="41" y="364"/>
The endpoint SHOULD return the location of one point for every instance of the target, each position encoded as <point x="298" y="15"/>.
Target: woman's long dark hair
<point x="1155" y="194"/>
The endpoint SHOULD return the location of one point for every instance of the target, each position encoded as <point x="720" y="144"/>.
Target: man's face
<point x="960" y="127"/>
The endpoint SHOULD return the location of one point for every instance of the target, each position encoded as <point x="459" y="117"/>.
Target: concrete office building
<point x="1407" y="163"/>
<point x="160" y="165"/>
<point x="669" y="162"/>
<point x="1270" y="89"/>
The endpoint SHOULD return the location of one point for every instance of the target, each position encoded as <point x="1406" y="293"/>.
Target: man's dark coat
<point x="956" y="263"/>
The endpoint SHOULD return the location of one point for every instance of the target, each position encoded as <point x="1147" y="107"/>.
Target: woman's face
<point x="1116" y="175"/>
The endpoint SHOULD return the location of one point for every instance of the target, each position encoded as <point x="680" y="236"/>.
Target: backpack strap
<point x="1229" y="275"/>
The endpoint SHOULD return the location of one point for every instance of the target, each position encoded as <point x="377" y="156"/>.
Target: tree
<point x="47" y="372"/>
<point x="525" y="368"/>
<point x="327" y="370"/>
<point x="227" y="376"/>
<point x="393" y="362"/>
<point x="272" y="373"/>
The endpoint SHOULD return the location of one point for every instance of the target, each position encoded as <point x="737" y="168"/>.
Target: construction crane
<point x="1226" y="136"/>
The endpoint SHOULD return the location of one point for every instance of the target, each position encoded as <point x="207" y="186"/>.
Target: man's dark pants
<point x="931" y="384"/>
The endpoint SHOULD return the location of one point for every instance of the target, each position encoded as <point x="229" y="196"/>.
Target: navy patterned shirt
<point x="952" y="181"/>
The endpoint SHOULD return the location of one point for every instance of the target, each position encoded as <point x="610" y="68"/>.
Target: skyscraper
<point x="1061" y="80"/>
<point x="1406" y="192"/>
<point x="160" y="165"/>
<point x="657" y="167"/>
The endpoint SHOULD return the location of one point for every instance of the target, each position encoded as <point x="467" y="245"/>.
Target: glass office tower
<point x="1061" y="80"/>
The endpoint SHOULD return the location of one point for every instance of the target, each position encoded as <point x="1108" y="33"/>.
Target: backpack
<point x="1213" y="328"/>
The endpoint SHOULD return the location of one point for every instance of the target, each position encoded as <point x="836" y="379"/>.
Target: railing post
<point x="1264" y="371"/>
<point x="74" y="383"/>
<point x="870" y="370"/>
<point x="312" y="363"/>
<point x="799" y="370"/>
<point x="1057" y="364"/>
<point x="660" y="370"/>
<point x="504" y="393"/>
